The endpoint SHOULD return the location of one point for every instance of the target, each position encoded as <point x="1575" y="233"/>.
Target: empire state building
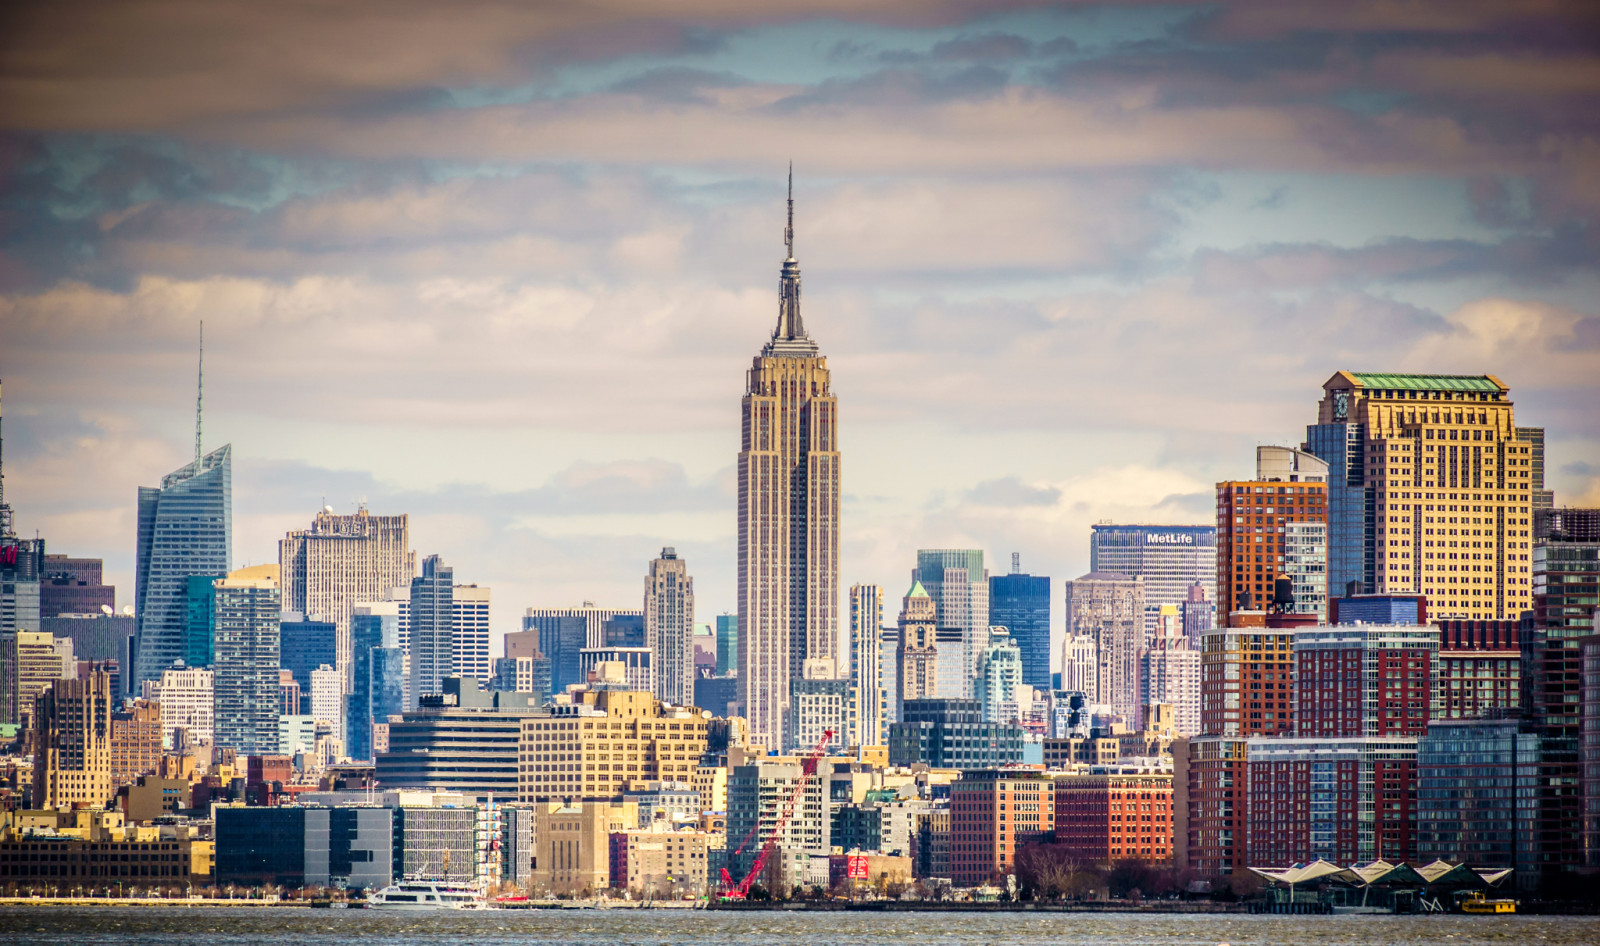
<point x="788" y="516"/>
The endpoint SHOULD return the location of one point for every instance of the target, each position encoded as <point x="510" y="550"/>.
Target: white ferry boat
<point x="428" y="895"/>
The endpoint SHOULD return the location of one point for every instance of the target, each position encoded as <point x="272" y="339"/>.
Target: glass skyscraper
<point x="378" y="684"/>
<point x="185" y="528"/>
<point x="245" y="673"/>
<point x="1021" y="604"/>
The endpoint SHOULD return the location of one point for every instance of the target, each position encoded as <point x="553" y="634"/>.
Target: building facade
<point x="186" y="696"/>
<point x="1429" y="490"/>
<point x="1115" y="813"/>
<point x="959" y="585"/>
<point x="340" y="562"/>
<point x="1109" y="608"/>
<point x="993" y="813"/>
<point x="1275" y="526"/>
<point x="788" y="540"/>
<point x="669" y="626"/>
<point x="1169" y="559"/>
<point x="866" y="626"/>
<point x="245" y="671"/>
<point x="185" y="528"/>
<point x="432" y="615"/>
<point x="917" y="651"/>
<point x="1021" y="604"/>
<point x="606" y="741"/>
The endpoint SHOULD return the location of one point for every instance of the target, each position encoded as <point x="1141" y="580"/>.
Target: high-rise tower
<point x="669" y="626"/>
<point x="788" y="512"/>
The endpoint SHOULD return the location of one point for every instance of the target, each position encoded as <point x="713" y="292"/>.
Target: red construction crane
<point x="808" y="768"/>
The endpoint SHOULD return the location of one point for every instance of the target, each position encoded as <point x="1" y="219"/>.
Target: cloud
<point x="1011" y="491"/>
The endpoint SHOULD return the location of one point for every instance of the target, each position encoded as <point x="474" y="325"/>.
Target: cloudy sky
<point x="503" y="265"/>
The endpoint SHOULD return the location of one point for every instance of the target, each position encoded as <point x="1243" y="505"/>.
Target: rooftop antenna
<point x="200" y="392"/>
<point x="788" y="231"/>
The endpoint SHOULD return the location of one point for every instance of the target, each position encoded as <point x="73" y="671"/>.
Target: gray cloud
<point x="1011" y="491"/>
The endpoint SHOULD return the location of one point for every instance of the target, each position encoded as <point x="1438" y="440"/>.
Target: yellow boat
<point x="1477" y="904"/>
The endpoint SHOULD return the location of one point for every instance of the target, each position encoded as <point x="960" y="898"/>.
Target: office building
<point x="866" y="626"/>
<point x="432" y="628"/>
<point x="1379" y="609"/>
<point x="1080" y="666"/>
<point x="1275" y="526"/>
<point x="306" y="643"/>
<point x="561" y="633"/>
<point x="30" y="662"/>
<point x="344" y="847"/>
<point x="959" y="585"/>
<point x="327" y="700"/>
<point x="636" y="664"/>
<point x="245" y="670"/>
<point x="523" y="675"/>
<point x="993" y="814"/>
<point x="605" y="741"/>
<point x="819" y="705"/>
<point x="199" y="621"/>
<point x="1427" y="482"/>
<point x="469" y="631"/>
<point x="1110" y="608"/>
<point x="727" y="644"/>
<point x="378" y="675"/>
<point x="663" y="860"/>
<point x="72" y="744"/>
<point x="185" y="527"/>
<point x="889" y="674"/>
<point x="186" y="696"/>
<point x="1021" y="604"/>
<point x="1115" y="813"/>
<point x="1168" y="559"/>
<point x="669" y="627"/>
<point x="463" y="739"/>
<point x="999" y="676"/>
<point x="951" y="734"/>
<point x="788" y="542"/>
<point x="342" y="561"/>
<point x="1589" y="745"/>
<point x="73" y="586"/>
<point x="1534" y="437"/>
<point x="917" y="653"/>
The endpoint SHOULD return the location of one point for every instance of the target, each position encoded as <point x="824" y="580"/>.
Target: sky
<point x="502" y="266"/>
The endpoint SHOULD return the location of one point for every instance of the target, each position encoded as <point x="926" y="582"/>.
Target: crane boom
<point x="808" y="768"/>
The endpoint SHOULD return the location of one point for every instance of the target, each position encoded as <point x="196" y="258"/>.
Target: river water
<point x="223" y="926"/>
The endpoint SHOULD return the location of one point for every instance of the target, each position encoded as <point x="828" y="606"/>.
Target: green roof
<point x="917" y="591"/>
<point x="1427" y="382"/>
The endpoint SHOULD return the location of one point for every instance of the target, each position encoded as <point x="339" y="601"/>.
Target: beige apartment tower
<point x="669" y="627"/>
<point x="788" y="558"/>
<point x="342" y="561"/>
<point x="1430" y="491"/>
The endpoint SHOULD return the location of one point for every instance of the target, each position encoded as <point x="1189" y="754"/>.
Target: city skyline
<point x="518" y="437"/>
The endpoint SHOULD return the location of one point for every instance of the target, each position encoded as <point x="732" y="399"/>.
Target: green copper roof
<point x="917" y="591"/>
<point x="1427" y="382"/>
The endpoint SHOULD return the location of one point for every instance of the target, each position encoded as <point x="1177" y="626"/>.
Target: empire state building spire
<point x="790" y="336"/>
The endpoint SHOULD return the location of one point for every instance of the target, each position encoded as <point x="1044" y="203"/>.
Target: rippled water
<point x="176" y="926"/>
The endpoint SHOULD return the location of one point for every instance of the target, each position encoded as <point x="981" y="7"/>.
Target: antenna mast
<point x="788" y="231"/>
<point x="200" y="391"/>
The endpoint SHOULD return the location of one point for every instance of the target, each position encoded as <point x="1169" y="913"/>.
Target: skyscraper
<point x="432" y="628"/>
<point x="788" y="581"/>
<point x="1109" y="608"/>
<point x="1170" y="559"/>
<point x="916" y="658"/>
<point x="1021" y="604"/>
<point x="1429" y="491"/>
<point x="1534" y="438"/>
<point x="342" y="560"/>
<point x="727" y="644"/>
<point x="999" y="675"/>
<point x="959" y="585"/>
<point x="185" y="528"/>
<point x="469" y="632"/>
<point x="378" y="685"/>
<point x="669" y="627"/>
<point x="1275" y="526"/>
<point x="245" y="670"/>
<point x="866" y="627"/>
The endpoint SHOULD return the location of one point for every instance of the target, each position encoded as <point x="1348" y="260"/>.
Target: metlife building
<point x="1169" y="558"/>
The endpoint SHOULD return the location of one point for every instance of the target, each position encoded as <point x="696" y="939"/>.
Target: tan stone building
<point x="572" y="845"/>
<point x="1430" y="488"/>
<point x="72" y="743"/>
<point x="916" y="656"/>
<point x="605" y="741"/>
<point x="711" y="781"/>
<point x="30" y="662"/>
<point x="663" y="861"/>
<point x="788" y="541"/>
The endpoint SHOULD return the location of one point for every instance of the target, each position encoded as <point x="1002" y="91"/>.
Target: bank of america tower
<point x="788" y="516"/>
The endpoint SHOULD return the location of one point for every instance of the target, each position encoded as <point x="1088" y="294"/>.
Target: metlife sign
<point x="1168" y="538"/>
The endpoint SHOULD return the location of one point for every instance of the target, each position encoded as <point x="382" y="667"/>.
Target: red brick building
<point x="1480" y="669"/>
<point x="1116" y="813"/>
<point x="992" y="813"/>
